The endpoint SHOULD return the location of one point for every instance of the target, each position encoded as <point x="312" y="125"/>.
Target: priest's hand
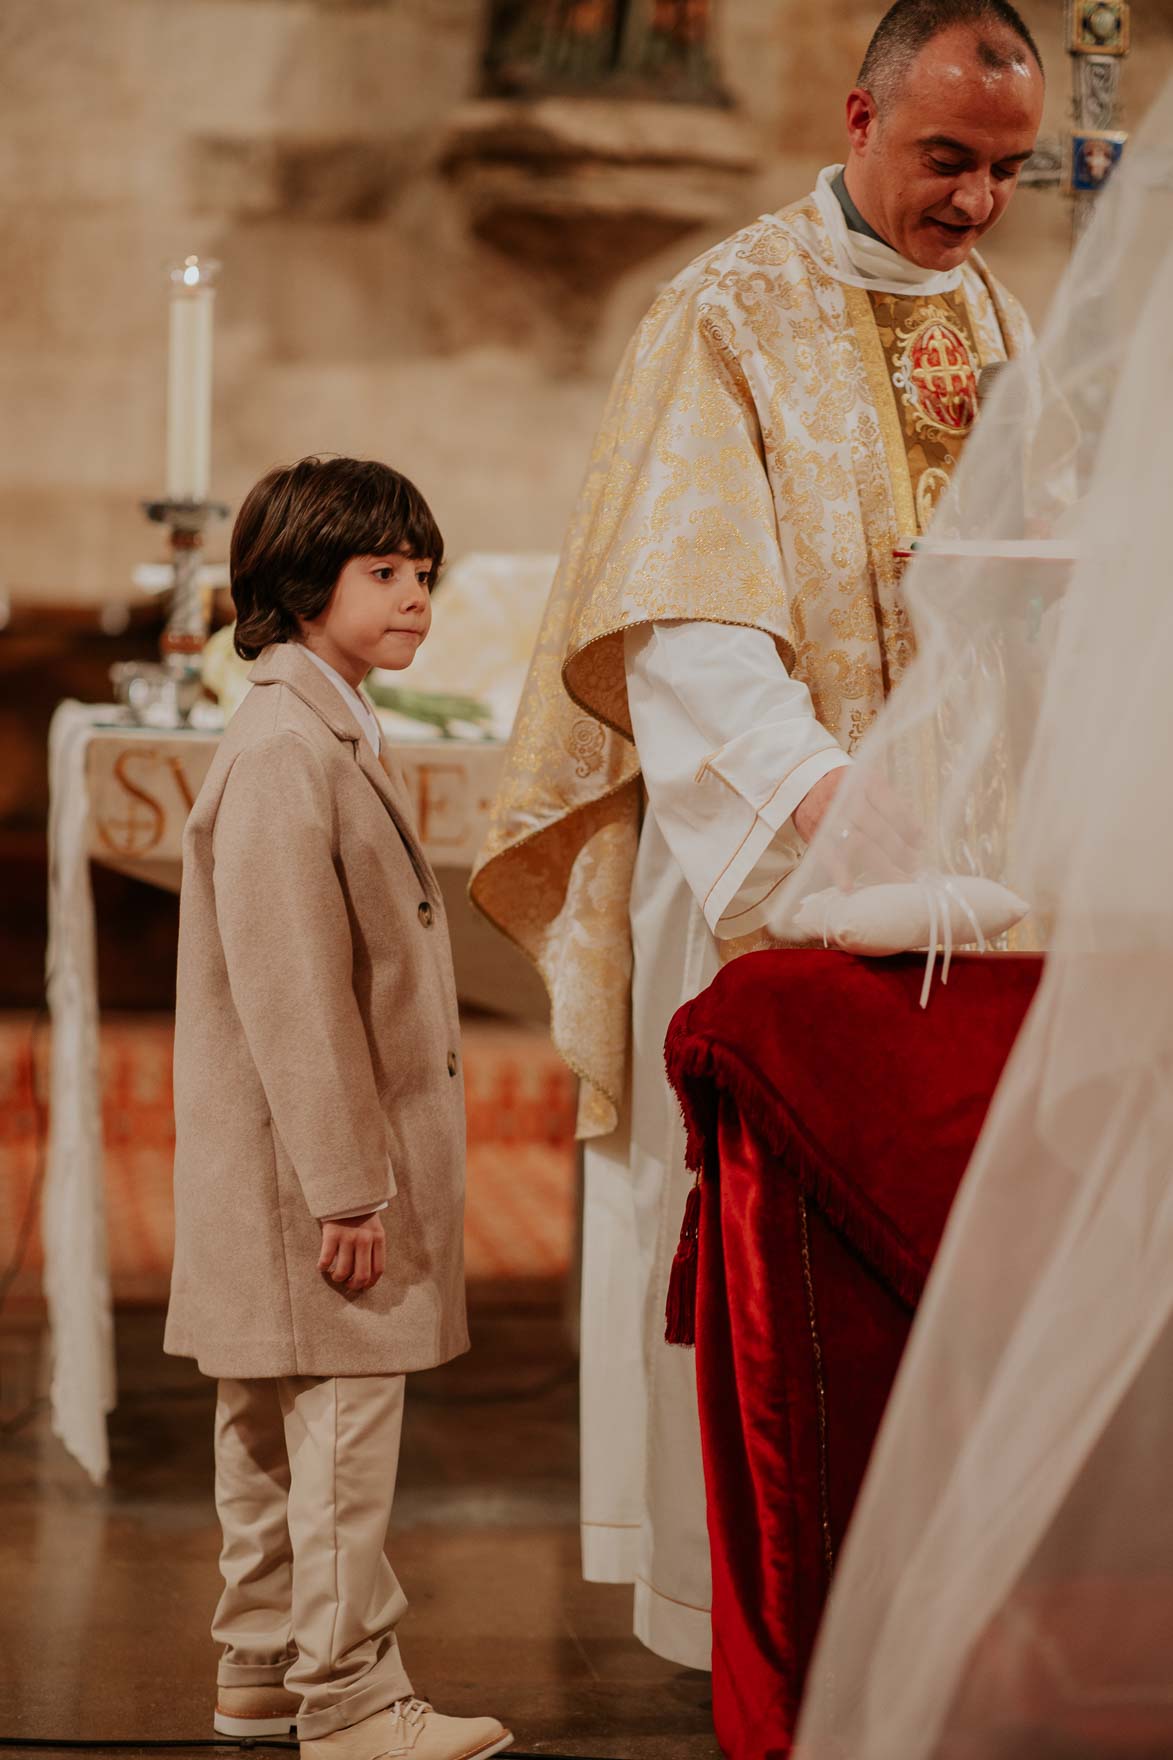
<point x="354" y="1251"/>
<point x="813" y="807"/>
<point x="878" y="840"/>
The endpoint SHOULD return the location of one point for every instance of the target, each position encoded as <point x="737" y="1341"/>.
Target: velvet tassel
<point x="681" y="1314"/>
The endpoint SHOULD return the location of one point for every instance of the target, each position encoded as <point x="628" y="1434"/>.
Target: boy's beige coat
<point x="317" y="1066"/>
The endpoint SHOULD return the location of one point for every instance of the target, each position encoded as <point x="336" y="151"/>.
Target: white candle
<point x="189" y="381"/>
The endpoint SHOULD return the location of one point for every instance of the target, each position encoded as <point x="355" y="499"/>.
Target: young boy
<point x="319" y="1166"/>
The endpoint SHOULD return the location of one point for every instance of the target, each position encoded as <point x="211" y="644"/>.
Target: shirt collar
<point x="861" y="261"/>
<point x="367" y="719"/>
<point x="855" y="220"/>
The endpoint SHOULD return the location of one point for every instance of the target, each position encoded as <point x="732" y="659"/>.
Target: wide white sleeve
<point x="729" y="745"/>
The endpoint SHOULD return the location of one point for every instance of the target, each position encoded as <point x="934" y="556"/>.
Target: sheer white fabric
<point x="73" y="1207"/>
<point x="1006" y="1588"/>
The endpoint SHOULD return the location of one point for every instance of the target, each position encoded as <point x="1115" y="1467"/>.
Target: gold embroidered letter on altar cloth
<point x="771" y="438"/>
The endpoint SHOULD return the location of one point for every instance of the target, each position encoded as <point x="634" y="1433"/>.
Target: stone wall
<point x="302" y="143"/>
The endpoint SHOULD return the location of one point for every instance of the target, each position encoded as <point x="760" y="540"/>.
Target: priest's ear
<point x="862" y="115"/>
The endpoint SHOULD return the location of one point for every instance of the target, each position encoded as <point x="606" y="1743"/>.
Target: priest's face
<point x="935" y="161"/>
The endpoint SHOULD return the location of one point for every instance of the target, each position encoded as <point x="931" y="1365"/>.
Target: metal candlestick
<point x="188" y="619"/>
<point x="165" y="693"/>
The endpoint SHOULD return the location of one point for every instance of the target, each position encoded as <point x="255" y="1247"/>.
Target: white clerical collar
<point x="860" y="261"/>
<point x="354" y="700"/>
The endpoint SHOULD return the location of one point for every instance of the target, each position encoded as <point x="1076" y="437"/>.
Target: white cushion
<point x="898" y="917"/>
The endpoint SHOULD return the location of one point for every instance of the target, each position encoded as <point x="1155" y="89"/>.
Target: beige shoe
<point x="246" y="1712"/>
<point x="411" y="1728"/>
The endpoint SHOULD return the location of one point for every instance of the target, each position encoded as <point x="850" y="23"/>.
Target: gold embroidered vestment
<point x="771" y="438"/>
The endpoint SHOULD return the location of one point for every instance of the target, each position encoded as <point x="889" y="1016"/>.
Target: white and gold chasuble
<point x="784" y="420"/>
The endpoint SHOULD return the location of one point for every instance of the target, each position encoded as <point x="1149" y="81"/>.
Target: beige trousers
<point x="305" y="1478"/>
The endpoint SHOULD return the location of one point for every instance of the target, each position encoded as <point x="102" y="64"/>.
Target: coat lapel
<point x="285" y="663"/>
<point x="399" y="809"/>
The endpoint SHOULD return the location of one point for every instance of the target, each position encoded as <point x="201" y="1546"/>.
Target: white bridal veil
<point x="1006" y="1588"/>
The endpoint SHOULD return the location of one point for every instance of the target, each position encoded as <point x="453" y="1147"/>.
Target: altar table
<point x="830" y="1119"/>
<point x="140" y="783"/>
<point x="120" y="795"/>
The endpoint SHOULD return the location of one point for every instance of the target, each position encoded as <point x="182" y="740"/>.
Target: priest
<point x="726" y="622"/>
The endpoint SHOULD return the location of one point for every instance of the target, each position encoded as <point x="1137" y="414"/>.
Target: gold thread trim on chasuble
<point x="476" y="888"/>
<point x="598" y="713"/>
<point x="1008" y="331"/>
<point x="867" y="336"/>
<point x="862" y="315"/>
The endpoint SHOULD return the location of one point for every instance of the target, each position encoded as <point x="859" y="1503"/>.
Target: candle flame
<point x="191" y="272"/>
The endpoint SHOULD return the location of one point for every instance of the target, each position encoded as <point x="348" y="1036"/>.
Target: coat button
<point x="452" y="1063"/>
<point x="427" y="914"/>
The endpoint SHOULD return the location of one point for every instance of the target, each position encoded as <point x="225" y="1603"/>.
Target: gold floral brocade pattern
<point x="743" y="474"/>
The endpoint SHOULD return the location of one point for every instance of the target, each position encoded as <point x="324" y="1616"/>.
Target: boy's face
<point x="378" y="615"/>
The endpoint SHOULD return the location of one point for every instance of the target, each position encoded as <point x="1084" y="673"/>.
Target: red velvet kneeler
<point x="831" y="1120"/>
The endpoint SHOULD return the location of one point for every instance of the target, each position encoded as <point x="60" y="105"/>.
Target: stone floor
<point x="105" y="1596"/>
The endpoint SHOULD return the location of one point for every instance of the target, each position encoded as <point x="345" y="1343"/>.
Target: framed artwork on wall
<point x="1093" y="156"/>
<point x="625" y="48"/>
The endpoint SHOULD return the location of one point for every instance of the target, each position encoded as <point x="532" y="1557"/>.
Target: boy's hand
<point x="354" y="1251"/>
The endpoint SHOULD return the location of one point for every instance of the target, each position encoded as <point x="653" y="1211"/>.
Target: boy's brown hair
<point x="299" y="527"/>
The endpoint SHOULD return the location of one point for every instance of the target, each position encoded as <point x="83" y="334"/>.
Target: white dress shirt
<point x="355" y="701"/>
<point x="729" y="746"/>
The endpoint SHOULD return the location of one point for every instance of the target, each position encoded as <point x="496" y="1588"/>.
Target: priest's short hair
<point x="909" y="25"/>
